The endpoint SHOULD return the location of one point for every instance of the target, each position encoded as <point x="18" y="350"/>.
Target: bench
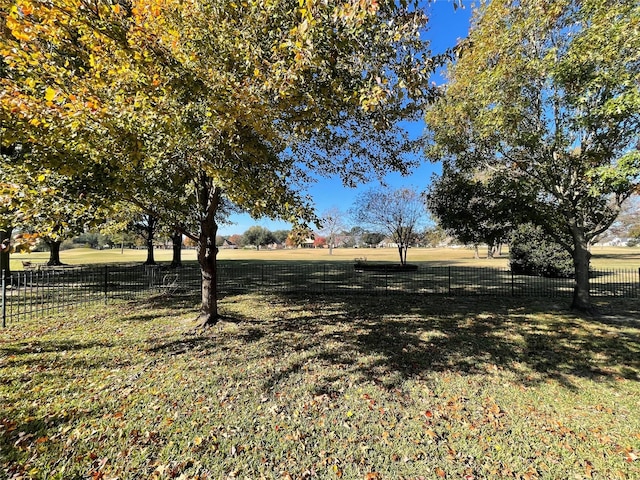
<point x="31" y="266"/>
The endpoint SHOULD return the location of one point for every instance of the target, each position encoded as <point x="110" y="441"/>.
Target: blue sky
<point x="446" y="26"/>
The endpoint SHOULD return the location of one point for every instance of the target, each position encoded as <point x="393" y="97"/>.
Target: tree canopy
<point x="244" y="99"/>
<point x="258" y="236"/>
<point x="474" y="208"/>
<point x="547" y="94"/>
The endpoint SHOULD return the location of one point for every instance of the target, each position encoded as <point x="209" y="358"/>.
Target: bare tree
<point x="398" y="213"/>
<point x="333" y="222"/>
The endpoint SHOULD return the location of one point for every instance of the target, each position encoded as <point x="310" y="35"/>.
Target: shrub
<point x="532" y="252"/>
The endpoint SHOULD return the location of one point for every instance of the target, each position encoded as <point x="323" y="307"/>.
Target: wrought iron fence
<point x="35" y="293"/>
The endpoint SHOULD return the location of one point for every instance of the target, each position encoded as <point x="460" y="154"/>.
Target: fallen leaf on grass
<point x="373" y="476"/>
<point x="588" y="470"/>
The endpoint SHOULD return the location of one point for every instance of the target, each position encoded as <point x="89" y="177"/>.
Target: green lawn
<point x="315" y="387"/>
<point x="603" y="257"/>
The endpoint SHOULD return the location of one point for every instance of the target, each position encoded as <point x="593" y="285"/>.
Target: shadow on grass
<point x="389" y="339"/>
<point x="326" y="342"/>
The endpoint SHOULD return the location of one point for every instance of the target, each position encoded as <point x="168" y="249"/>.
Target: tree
<point x="332" y="222"/>
<point x="634" y="235"/>
<point x="473" y="208"/>
<point x="547" y="95"/>
<point x="8" y="218"/>
<point x="146" y="226"/>
<point x="228" y="92"/>
<point x="434" y="236"/>
<point x="258" y="236"/>
<point x="532" y="252"/>
<point x="5" y="250"/>
<point x="51" y="206"/>
<point x="319" y="242"/>
<point x="397" y="212"/>
<point x="626" y="221"/>
<point x="176" y="247"/>
<point x="372" y="238"/>
<point x="57" y="208"/>
<point x="298" y="237"/>
<point x="220" y="240"/>
<point x="281" y="236"/>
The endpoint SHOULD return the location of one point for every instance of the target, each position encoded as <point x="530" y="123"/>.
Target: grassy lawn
<point x="603" y="257"/>
<point x="315" y="387"/>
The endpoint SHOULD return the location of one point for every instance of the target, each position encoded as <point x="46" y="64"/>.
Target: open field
<point x="603" y="257"/>
<point x="317" y="387"/>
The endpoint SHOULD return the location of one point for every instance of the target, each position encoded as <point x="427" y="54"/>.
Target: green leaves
<point x="547" y="97"/>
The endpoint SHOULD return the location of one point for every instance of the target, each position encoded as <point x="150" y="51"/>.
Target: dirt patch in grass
<point x="318" y="387"/>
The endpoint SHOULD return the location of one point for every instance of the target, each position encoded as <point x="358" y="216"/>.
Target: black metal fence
<point x="37" y="293"/>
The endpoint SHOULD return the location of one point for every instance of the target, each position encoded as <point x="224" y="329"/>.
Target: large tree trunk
<point x="209" y="200"/>
<point x="581" y="257"/>
<point x="400" y="252"/>
<point x="54" y="253"/>
<point x="176" y="241"/>
<point x="5" y="248"/>
<point x="151" y="230"/>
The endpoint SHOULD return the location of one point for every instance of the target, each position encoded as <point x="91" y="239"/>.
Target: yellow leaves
<point x="26" y="8"/>
<point x="50" y="94"/>
<point x="20" y="31"/>
<point x="371" y="99"/>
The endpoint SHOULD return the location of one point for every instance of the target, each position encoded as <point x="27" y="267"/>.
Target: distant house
<point x="387" y="243"/>
<point x="307" y="243"/>
<point x="229" y="245"/>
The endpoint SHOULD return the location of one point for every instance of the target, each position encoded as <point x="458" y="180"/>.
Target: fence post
<point x="449" y="280"/>
<point x="106" y="278"/>
<point x="4" y="300"/>
<point x="513" y="287"/>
